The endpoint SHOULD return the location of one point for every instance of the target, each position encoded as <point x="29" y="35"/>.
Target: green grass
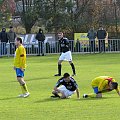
<point x="40" y="81"/>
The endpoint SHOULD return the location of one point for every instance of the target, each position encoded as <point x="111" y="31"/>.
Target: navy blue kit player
<point x="65" y="54"/>
<point x="66" y="87"/>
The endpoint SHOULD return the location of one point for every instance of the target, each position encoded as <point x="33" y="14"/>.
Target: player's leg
<point x="61" y="58"/>
<point x="59" y="68"/>
<point x="99" y="95"/>
<point x="73" y="68"/>
<point x="63" y="96"/>
<point x="20" y="75"/>
<point x="67" y="93"/>
<point x="96" y="94"/>
<point x="93" y="95"/>
<point x="55" y="93"/>
<point x="23" y="84"/>
<point x="63" y="93"/>
<point x="61" y="90"/>
<point x="23" y="87"/>
<point x="68" y="57"/>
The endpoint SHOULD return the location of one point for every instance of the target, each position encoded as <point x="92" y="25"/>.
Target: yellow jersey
<point x="20" y="57"/>
<point x="102" y="82"/>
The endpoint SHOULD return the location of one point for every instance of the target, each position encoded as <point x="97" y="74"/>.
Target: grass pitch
<point x="40" y="81"/>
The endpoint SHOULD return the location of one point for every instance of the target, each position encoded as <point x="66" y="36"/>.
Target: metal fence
<point x="112" y="45"/>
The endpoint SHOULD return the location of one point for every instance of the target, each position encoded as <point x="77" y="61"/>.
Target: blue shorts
<point x="19" y="72"/>
<point x="95" y="90"/>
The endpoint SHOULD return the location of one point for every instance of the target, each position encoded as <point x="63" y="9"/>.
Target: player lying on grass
<point x="101" y="85"/>
<point x="66" y="86"/>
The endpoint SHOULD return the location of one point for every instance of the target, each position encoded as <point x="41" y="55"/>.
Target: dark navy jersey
<point x="64" y="45"/>
<point x="70" y="85"/>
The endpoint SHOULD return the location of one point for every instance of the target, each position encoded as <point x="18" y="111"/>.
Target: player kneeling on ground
<point x="66" y="86"/>
<point x="101" y="85"/>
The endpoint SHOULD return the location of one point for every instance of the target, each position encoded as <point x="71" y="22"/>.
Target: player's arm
<point x="22" y="58"/>
<point x="78" y="93"/>
<point x="118" y="91"/>
<point x="66" y="42"/>
<point x="57" y="85"/>
<point x="77" y="90"/>
<point x="57" y="90"/>
<point x="60" y="47"/>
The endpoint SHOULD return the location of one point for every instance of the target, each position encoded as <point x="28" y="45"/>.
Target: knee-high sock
<point x="24" y="88"/>
<point x="73" y="68"/>
<point x="59" y="69"/>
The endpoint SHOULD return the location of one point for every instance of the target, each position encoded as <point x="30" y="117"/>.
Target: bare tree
<point x="28" y="13"/>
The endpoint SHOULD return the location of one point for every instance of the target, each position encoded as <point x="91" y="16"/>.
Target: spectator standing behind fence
<point x="101" y="35"/>
<point x="40" y="37"/>
<point x="4" y="40"/>
<point x="11" y="37"/>
<point x="92" y="35"/>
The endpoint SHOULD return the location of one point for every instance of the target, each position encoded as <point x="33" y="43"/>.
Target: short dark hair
<point x="66" y="75"/>
<point x="19" y="39"/>
<point x="60" y="33"/>
<point x="114" y="85"/>
<point x="11" y="26"/>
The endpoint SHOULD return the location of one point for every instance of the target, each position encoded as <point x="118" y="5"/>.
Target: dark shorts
<point x="19" y="72"/>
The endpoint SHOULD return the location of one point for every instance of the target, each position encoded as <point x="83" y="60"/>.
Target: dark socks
<point x="73" y="68"/>
<point x="56" y="95"/>
<point x="59" y="69"/>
